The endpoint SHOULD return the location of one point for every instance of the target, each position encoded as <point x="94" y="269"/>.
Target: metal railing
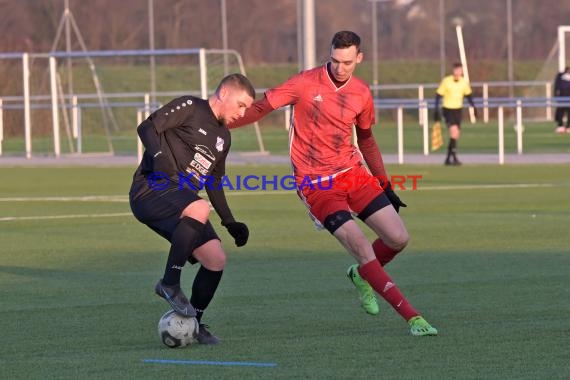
<point x="76" y="104"/>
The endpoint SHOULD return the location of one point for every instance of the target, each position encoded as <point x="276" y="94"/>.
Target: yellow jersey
<point x="453" y="91"/>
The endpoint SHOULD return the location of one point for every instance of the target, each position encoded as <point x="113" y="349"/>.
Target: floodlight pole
<point x="510" y="73"/>
<point x="375" y="48"/>
<point x="441" y="38"/>
<point x="561" y="49"/>
<point x="151" y="47"/>
<point x="300" y="34"/>
<point x="68" y="49"/>
<point x="309" y="49"/>
<point x="224" y="34"/>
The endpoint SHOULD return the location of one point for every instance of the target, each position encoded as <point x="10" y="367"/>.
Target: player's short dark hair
<point x="345" y="39"/>
<point x="238" y="81"/>
<point x="457" y="65"/>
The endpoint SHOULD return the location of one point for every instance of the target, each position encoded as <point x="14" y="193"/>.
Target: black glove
<point x="436" y="116"/>
<point x="394" y="199"/>
<point x="161" y="163"/>
<point x="239" y="232"/>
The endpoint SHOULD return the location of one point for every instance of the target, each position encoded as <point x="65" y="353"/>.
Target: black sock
<point x="205" y="285"/>
<point x="183" y="238"/>
<point x="452" y="148"/>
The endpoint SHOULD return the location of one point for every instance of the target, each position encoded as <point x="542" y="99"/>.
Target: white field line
<point x="88" y="198"/>
<point x="51" y="217"/>
<point x="483" y="187"/>
<point x="123" y="198"/>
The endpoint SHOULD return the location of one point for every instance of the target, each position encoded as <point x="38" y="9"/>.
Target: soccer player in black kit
<point x="185" y="142"/>
<point x="562" y="89"/>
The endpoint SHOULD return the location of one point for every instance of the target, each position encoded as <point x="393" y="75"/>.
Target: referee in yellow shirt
<point x="453" y="88"/>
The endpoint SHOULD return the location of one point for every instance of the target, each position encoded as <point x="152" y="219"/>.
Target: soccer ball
<point x="176" y="330"/>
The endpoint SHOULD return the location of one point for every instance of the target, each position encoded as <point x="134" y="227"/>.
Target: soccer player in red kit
<point x="331" y="179"/>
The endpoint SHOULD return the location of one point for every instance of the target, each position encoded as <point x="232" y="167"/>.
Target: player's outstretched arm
<point x="370" y="152"/>
<point x="373" y="158"/>
<point x="472" y="104"/>
<point x="256" y="112"/>
<point x="238" y="230"/>
<point x="149" y="137"/>
<point x="217" y="196"/>
<point x="151" y="142"/>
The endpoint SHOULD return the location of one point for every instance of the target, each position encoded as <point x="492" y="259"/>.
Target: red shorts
<point x="350" y="191"/>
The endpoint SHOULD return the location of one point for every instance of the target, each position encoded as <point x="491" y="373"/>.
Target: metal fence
<point x="140" y="109"/>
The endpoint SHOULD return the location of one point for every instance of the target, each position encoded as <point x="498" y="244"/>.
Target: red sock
<point x="383" y="284"/>
<point x="383" y="253"/>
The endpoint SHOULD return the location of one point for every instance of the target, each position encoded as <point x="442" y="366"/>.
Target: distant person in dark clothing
<point x="561" y="89"/>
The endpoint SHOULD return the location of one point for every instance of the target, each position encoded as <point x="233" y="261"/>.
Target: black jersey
<point x="192" y="137"/>
<point x="196" y="144"/>
<point x="562" y="84"/>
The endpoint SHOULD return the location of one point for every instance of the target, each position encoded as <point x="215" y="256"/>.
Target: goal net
<point x="99" y="94"/>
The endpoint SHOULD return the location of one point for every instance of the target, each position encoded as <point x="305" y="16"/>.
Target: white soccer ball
<point x="176" y="330"/>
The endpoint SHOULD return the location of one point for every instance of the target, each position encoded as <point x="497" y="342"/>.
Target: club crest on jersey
<point x="220" y="144"/>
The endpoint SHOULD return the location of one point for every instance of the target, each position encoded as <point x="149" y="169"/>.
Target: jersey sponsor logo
<point x="202" y="160"/>
<point x="202" y="131"/>
<point x="202" y="170"/>
<point x="205" y="151"/>
<point x="192" y="173"/>
<point x="219" y="144"/>
<point x="318" y="98"/>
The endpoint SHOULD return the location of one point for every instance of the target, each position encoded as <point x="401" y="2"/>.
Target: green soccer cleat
<point x="420" y="327"/>
<point x="365" y="291"/>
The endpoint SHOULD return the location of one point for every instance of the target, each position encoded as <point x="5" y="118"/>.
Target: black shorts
<point x="453" y="116"/>
<point x="160" y="210"/>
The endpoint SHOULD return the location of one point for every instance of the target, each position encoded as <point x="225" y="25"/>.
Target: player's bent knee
<point x="397" y="241"/>
<point x="199" y="210"/>
<point x="215" y="262"/>
<point x="401" y="241"/>
<point x="211" y="255"/>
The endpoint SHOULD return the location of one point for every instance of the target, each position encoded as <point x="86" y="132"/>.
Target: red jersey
<point x="320" y="137"/>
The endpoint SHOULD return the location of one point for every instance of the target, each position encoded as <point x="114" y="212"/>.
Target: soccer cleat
<point x="365" y="291"/>
<point x="560" y="129"/>
<point x="206" y="337"/>
<point x="420" y="327"/>
<point x="176" y="298"/>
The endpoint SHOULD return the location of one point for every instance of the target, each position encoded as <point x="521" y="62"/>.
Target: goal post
<point x="109" y="85"/>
